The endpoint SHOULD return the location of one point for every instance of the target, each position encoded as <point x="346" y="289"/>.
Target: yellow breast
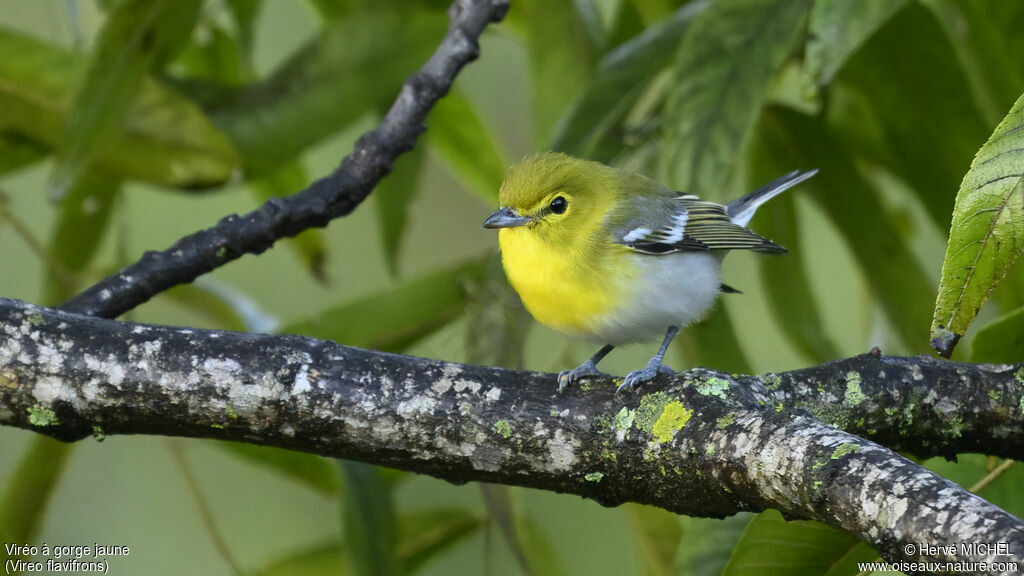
<point x="569" y="290"/>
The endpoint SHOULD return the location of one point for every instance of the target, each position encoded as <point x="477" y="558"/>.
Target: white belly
<point x="671" y="290"/>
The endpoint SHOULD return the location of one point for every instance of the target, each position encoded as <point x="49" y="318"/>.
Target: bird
<point x="613" y="257"/>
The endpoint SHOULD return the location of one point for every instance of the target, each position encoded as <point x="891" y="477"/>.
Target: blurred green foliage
<point x="146" y="120"/>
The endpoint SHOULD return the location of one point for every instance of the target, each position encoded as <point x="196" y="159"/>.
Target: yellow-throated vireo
<point x="613" y="257"/>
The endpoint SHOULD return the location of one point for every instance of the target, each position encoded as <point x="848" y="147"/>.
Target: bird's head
<point x="559" y="199"/>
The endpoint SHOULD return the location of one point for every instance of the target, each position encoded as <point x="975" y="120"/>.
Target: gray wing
<point x="677" y="223"/>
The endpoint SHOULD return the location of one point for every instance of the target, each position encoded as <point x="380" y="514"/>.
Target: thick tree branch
<point x="326" y="199"/>
<point x="706" y="444"/>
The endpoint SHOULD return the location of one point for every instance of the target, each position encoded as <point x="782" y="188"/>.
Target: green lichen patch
<point x="503" y="429"/>
<point x="724" y="421"/>
<point x="996" y="395"/>
<point x="98" y="434"/>
<point x="230" y="411"/>
<point x="8" y="379"/>
<point x="594" y="477"/>
<point x="779" y="407"/>
<point x="40" y="415"/>
<point x="713" y="386"/>
<point x="1022" y="404"/>
<point x="854" y="395"/>
<point x="817" y="485"/>
<point x="772" y="381"/>
<point x="818" y="465"/>
<point x="709" y="449"/>
<point x="1019" y="375"/>
<point x="217" y="426"/>
<point x="624" y="419"/>
<point x="845" y="449"/>
<point x="650" y="409"/>
<point x="673" y="417"/>
<point x="36" y="319"/>
<point x="956" y="427"/>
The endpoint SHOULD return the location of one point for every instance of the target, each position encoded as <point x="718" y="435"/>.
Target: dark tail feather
<point x="741" y="210"/>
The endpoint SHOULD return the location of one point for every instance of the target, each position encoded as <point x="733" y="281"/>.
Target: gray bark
<point x="701" y="443"/>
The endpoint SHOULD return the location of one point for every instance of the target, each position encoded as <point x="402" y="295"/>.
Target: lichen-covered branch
<point x="703" y="443"/>
<point x="328" y="198"/>
<point x="921" y="405"/>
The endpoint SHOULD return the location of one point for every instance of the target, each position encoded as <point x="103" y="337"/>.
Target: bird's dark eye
<point x="559" y="205"/>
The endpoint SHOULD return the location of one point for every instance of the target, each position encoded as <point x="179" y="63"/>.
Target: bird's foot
<point x="637" y="377"/>
<point x="586" y="370"/>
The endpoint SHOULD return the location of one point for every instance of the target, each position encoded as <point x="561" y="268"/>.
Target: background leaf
<point x="313" y="471"/>
<point x="771" y="546"/>
<point x="368" y="517"/>
<point x="466" y="145"/>
<point x="837" y="29"/>
<point x="656" y="533"/>
<point x="896" y="279"/>
<point x="562" y="56"/>
<point x="270" y="121"/>
<point x="25" y="497"/>
<point x="83" y="222"/>
<point x="719" y="87"/>
<point x="1001" y="340"/>
<point x="927" y="153"/>
<point x="617" y="82"/>
<point x="392" y="320"/>
<point x="165" y="139"/>
<point x="987" y="233"/>
<point x="138" y="36"/>
<point x="394" y="196"/>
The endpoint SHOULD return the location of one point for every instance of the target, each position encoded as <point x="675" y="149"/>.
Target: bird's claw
<point x="637" y="377"/>
<point x="585" y="370"/>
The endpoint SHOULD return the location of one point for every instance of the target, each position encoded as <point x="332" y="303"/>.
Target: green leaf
<point x="424" y="535"/>
<point x="837" y="29"/>
<point x="1000" y="341"/>
<point x="245" y="13"/>
<point x="313" y="471"/>
<point x="18" y="151"/>
<point x="723" y="70"/>
<point x="311" y="246"/>
<point x="988" y="49"/>
<point x="342" y="74"/>
<point x="393" y="198"/>
<point x="137" y="37"/>
<point x="562" y="57"/>
<point x="708" y="542"/>
<point x="329" y="559"/>
<point x="771" y="546"/>
<point x="617" y="81"/>
<point x="987" y="233"/>
<point x="785" y="279"/>
<point x="896" y="278"/>
<point x="656" y="533"/>
<point x="368" y="518"/>
<point x="927" y="131"/>
<point x="395" y="319"/>
<point x="81" y="226"/>
<point x="164" y="138"/>
<point x="466" y="145"/>
<point x="526" y="539"/>
<point x="713" y="343"/>
<point x="29" y="487"/>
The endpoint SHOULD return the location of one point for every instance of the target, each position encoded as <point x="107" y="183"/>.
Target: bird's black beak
<point x="506" y="218"/>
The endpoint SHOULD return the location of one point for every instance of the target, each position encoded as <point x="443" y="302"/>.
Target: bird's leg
<point x="588" y="368"/>
<point x="653" y="367"/>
